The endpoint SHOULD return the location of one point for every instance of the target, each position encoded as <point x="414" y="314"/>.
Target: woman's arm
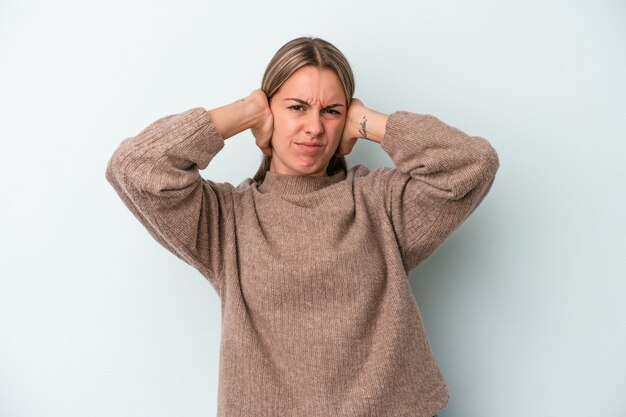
<point x="252" y="112"/>
<point x="156" y="174"/>
<point x="361" y="122"/>
<point x="441" y="176"/>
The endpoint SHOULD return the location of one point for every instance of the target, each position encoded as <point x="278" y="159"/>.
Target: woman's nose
<point x="314" y="124"/>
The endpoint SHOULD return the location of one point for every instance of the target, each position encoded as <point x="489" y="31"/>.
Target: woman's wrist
<point x="371" y="124"/>
<point x="364" y="122"/>
<point x="257" y="109"/>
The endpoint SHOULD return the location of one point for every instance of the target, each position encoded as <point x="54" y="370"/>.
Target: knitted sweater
<point x="318" y="317"/>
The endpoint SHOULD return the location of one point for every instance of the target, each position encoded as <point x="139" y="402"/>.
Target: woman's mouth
<point x="309" y="147"/>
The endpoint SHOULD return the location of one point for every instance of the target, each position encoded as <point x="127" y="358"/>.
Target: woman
<point x="310" y="259"/>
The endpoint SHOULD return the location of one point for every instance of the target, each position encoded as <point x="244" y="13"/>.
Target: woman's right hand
<point x="252" y="112"/>
<point x="264" y="126"/>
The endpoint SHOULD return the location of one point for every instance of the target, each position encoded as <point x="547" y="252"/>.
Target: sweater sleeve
<point x="156" y="174"/>
<point x="441" y="176"/>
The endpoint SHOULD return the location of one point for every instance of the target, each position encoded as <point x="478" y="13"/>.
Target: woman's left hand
<point x="353" y="130"/>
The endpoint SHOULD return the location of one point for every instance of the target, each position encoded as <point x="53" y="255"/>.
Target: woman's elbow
<point x="119" y="165"/>
<point x="112" y="173"/>
<point x="491" y="161"/>
<point x="478" y="173"/>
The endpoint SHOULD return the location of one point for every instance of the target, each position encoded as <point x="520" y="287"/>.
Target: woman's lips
<point x="310" y="148"/>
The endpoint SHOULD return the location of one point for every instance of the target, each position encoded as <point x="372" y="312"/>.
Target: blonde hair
<point x="294" y="55"/>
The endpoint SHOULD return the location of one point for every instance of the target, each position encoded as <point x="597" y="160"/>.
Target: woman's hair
<point x="291" y="57"/>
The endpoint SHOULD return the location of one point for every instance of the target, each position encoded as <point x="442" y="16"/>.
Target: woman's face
<point x="309" y="113"/>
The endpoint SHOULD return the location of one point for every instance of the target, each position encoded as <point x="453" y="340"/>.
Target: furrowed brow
<point x="334" y="105"/>
<point x="298" y="100"/>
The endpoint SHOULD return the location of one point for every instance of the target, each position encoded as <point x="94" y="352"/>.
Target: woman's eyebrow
<point x="307" y="104"/>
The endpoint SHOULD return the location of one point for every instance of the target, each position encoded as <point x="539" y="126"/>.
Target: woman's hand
<point x="264" y="125"/>
<point x="252" y="112"/>
<point x="361" y="122"/>
<point x="351" y="133"/>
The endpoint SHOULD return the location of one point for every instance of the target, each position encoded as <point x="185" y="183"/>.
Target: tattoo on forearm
<point x="363" y="129"/>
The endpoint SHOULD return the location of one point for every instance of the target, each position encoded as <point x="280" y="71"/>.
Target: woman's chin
<point x="303" y="167"/>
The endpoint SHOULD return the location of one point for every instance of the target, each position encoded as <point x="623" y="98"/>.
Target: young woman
<point x="310" y="258"/>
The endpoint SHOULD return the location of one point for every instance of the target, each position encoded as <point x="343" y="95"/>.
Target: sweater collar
<point x="284" y="184"/>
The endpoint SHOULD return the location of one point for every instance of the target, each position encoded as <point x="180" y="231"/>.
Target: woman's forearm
<point x="372" y="125"/>
<point x="236" y="117"/>
<point x="361" y="123"/>
<point x="364" y="123"/>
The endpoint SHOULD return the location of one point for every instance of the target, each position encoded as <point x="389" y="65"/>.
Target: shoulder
<point x="244" y="190"/>
<point x="247" y="183"/>
<point x="373" y="185"/>
<point x="219" y="188"/>
<point x="364" y="175"/>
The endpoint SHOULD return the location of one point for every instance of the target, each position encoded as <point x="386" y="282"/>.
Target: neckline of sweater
<point x="284" y="184"/>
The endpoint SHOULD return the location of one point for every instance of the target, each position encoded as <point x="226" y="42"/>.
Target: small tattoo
<point x="363" y="129"/>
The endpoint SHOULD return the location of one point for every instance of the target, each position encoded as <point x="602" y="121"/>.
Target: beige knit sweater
<point x="318" y="317"/>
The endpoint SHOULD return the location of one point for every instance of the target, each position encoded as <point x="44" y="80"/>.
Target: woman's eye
<point x="331" y="111"/>
<point x="296" y="107"/>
